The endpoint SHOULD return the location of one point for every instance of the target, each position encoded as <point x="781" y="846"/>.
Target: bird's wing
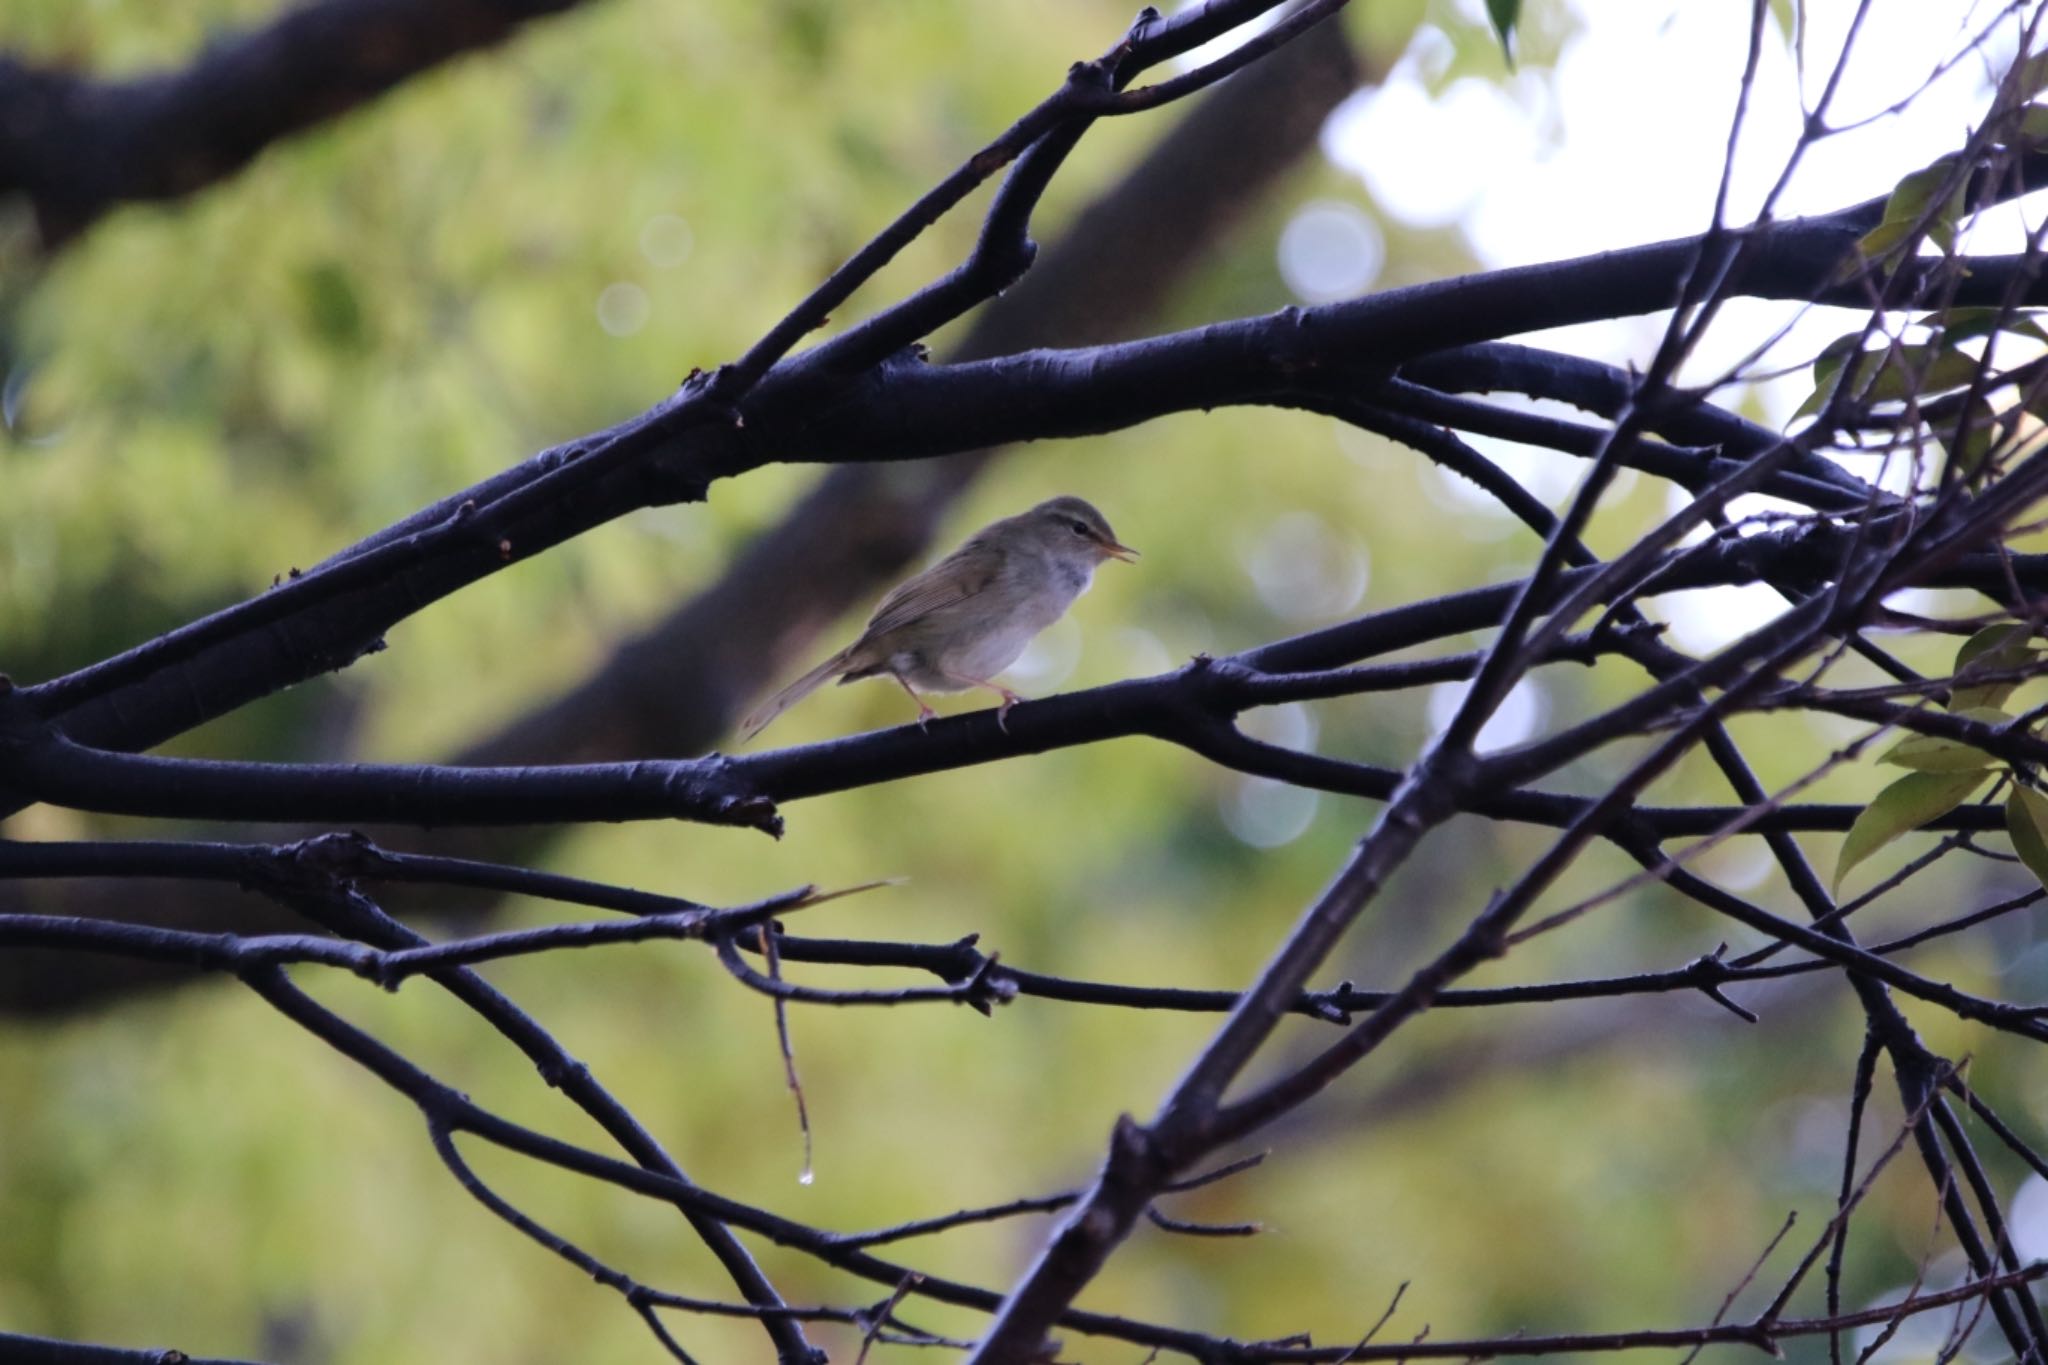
<point x="957" y="577"/>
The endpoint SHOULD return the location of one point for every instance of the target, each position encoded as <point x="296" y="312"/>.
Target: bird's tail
<point x="757" y="719"/>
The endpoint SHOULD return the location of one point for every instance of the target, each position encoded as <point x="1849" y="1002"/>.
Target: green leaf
<point x="1999" y="639"/>
<point x="2026" y="820"/>
<point x="1908" y="371"/>
<point x="1914" y="196"/>
<point x="1935" y="754"/>
<point x="2004" y="648"/>
<point x="1960" y="324"/>
<point x="1505" y="14"/>
<point x="1985" y="694"/>
<point x="1881" y="241"/>
<point x="2032" y="77"/>
<point x="2034" y="124"/>
<point x="1901" y="808"/>
<point x="332" y="307"/>
<point x="1928" y="201"/>
<point x="1836" y="353"/>
<point x="1901" y="372"/>
<point x="1827" y="370"/>
<point x="1786" y="18"/>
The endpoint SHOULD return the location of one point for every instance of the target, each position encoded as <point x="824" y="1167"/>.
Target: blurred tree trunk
<point x="77" y="147"/>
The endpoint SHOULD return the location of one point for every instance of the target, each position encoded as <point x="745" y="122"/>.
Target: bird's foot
<point x="1010" y="699"/>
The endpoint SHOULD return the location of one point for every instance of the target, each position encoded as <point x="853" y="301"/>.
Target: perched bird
<point x="968" y="617"/>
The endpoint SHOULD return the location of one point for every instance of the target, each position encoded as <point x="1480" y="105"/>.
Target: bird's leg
<point x="924" y="713"/>
<point x="1010" y="698"/>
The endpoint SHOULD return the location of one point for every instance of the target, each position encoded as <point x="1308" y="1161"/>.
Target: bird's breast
<point x="1075" y="578"/>
<point x="984" y="636"/>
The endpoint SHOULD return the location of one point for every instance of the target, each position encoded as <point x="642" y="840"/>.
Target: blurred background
<point x="539" y="239"/>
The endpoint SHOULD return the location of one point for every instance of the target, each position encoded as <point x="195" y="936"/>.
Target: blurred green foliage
<point x="211" y="393"/>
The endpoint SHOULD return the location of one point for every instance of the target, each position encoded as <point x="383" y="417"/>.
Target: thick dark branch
<point x="59" y="771"/>
<point x="331" y="616"/>
<point x="1191" y="706"/>
<point x="78" y="147"/>
<point x="27" y="1350"/>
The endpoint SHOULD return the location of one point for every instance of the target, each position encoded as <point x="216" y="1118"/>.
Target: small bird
<point x="968" y="617"/>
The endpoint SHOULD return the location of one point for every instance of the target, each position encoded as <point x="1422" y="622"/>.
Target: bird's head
<point x="1063" y="523"/>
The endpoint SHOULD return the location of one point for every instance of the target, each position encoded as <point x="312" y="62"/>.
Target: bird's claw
<point x="1010" y="699"/>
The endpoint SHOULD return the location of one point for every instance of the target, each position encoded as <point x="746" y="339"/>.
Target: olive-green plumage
<point x="968" y="617"/>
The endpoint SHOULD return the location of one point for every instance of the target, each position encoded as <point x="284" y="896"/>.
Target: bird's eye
<point x="1080" y="528"/>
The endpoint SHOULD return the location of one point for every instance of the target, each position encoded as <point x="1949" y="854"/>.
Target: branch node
<point x="1324" y="1006"/>
<point x="984" y="988"/>
<point x="563" y="1072"/>
<point x="1713" y="993"/>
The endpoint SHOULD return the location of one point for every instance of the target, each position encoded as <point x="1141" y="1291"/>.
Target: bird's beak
<point x="1112" y="550"/>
